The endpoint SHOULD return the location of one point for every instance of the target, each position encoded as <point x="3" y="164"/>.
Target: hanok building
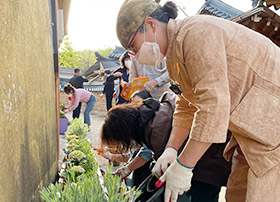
<point x="102" y="64"/>
<point x="262" y="19"/>
<point x="65" y="74"/>
<point x="219" y="8"/>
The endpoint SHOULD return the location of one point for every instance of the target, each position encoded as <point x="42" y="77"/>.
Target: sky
<point x="92" y="23"/>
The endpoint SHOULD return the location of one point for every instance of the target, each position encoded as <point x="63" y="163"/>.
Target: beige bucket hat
<point x="131" y="15"/>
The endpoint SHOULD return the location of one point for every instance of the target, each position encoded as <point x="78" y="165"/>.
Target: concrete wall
<point x="28" y="139"/>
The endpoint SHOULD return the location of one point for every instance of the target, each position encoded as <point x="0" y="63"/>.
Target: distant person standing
<point x="77" y="81"/>
<point x="122" y="74"/>
<point x="108" y="90"/>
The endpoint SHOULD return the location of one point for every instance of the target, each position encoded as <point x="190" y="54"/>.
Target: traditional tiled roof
<point x="63" y="70"/>
<point x="275" y="3"/>
<point x="116" y="54"/>
<point x="219" y="9"/>
<point x="102" y="63"/>
<point x="262" y="20"/>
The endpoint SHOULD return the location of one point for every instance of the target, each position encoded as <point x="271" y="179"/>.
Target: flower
<point x="71" y="137"/>
<point x="78" y="169"/>
<point x="71" y="146"/>
<point x="77" y="155"/>
<point x="74" y="141"/>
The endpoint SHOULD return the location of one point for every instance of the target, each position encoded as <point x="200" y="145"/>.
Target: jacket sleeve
<point x="162" y="79"/>
<point x="84" y="79"/>
<point x="75" y="102"/>
<point x="206" y="67"/>
<point x="104" y="88"/>
<point x="111" y="77"/>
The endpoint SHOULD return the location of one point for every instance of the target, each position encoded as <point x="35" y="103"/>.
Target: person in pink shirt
<point x="80" y="95"/>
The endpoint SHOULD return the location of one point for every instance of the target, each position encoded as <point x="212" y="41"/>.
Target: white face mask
<point x="70" y="95"/>
<point x="128" y="63"/>
<point x="149" y="53"/>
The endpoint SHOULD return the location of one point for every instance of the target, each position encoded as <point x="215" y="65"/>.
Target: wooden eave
<point x="262" y="20"/>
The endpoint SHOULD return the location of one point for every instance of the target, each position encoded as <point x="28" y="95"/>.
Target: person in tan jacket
<point x="229" y="76"/>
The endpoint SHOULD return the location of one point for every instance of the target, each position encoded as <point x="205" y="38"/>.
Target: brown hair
<point x="68" y="88"/>
<point x="121" y="127"/>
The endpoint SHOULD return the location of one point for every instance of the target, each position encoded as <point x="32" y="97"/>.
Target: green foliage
<point x="68" y="57"/>
<point x="78" y="128"/>
<point x="87" y="187"/>
<point x="73" y="173"/>
<point x="104" y="52"/>
<point x="87" y="59"/>
<point x="83" y="182"/>
<point x="84" y="146"/>
<point x="113" y="185"/>
<point x="71" y="137"/>
<point x="61" y="106"/>
<point x="77" y="155"/>
<point x="62" y="114"/>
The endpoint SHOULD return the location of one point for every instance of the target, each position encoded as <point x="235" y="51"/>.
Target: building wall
<point x="28" y="139"/>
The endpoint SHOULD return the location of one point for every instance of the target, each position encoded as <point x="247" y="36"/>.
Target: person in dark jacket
<point x="108" y="90"/>
<point x="122" y="74"/>
<point x="149" y="124"/>
<point x="77" y="81"/>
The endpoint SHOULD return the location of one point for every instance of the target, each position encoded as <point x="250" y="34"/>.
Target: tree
<point x="105" y="52"/>
<point x="68" y="57"/>
<point x="87" y="59"/>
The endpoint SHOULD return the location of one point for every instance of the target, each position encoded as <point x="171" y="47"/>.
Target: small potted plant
<point x="63" y="121"/>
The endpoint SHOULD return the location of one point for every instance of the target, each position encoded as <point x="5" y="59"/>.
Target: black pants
<point x="76" y="112"/>
<point x="203" y="192"/>
<point x="109" y="99"/>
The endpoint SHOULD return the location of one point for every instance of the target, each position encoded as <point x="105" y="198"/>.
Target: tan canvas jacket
<point x="231" y="75"/>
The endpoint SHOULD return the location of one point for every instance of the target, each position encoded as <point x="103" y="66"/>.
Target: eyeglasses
<point x="130" y="46"/>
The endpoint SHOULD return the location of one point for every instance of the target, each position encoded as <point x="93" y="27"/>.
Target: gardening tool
<point x="152" y="194"/>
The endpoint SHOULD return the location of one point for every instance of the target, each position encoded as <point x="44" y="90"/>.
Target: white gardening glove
<point x="168" y="156"/>
<point x="177" y="180"/>
<point x="123" y="172"/>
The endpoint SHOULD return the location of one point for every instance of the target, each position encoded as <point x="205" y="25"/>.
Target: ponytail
<point x="68" y="88"/>
<point x="170" y="9"/>
<point x="163" y="14"/>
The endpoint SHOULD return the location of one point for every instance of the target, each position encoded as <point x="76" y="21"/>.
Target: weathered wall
<point x="28" y="140"/>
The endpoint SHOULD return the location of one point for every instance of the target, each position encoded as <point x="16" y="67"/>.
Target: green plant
<point x="68" y="57"/>
<point x="72" y="173"/>
<point x="88" y="188"/>
<point x="62" y="114"/>
<point x="71" y="137"/>
<point x="62" y="106"/>
<point x="78" y="128"/>
<point x="70" y="147"/>
<point x="77" y="155"/>
<point x="82" y="176"/>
